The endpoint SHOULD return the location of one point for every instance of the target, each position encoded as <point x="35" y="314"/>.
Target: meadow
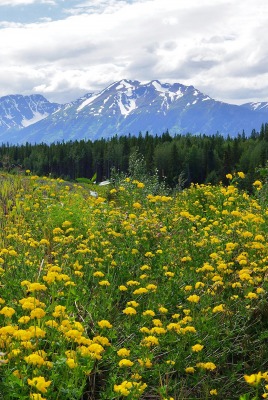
<point x="132" y="294"/>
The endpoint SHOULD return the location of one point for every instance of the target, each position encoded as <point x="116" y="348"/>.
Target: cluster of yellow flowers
<point x="135" y="389"/>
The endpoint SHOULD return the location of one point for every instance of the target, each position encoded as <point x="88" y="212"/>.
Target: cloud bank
<point x="220" y="47"/>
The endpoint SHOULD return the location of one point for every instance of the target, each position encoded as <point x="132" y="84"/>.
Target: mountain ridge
<point x="125" y="107"/>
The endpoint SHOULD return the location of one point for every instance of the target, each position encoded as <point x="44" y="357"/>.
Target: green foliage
<point x="87" y="180"/>
<point x="199" y="159"/>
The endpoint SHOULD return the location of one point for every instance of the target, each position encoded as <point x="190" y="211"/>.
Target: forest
<point x="195" y="159"/>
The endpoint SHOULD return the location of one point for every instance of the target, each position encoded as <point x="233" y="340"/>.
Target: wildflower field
<point x="132" y="294"/>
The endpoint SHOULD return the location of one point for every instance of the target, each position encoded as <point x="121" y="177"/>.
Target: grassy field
<point x="131" y="294"/>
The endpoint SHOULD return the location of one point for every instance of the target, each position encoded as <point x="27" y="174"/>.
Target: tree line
<point x="199" y="159"/>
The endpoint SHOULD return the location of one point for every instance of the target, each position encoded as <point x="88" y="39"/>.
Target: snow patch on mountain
<point x="167" y="91"/>
<point x="126" y="107"/>
<point x="255" y="105"/>
<point x="107" y="99"/>
<point x="179" y="94"/>
<point x="258" y="106"/>
<point x="159" y="87"/>
<point x="37" y="116"/>
<point x="124" y="84"/>
<point x="87" y="102"/>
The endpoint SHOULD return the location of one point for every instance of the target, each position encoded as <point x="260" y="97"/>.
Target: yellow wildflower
<point x="141" y="290"/>
<point x="213" y="392"/>
<point x="251" y="295"/>
<point x="189" y="370"/>
<point x="197" y="347"/>
<point x="7" y="312"/>
<point x="38" y="313"/>
<point x="39" y="383"/>
<point x="137" y="205"/>
<point x="133" y="283"/>
<point x="123" y="352"/>
<point x="36" y="286"/>
<point x="219" y="308"/>
<point x="36" y="396"/>
<point x="253" y="379"/>
<point x="257" y="183"/>
<point x="157" y="322"/>
<point x="98" y="274"/>
<point x="133" y="303"/>
<point x="145" y="267"/>
<point x="71" y="363"/>
<point x="187" y="288"/>
<point x="129" y="311"/>
<point x="149" y="341"/>
<point x="208" y="365"/>
<point x="105" y="324"/>
<point x="123" y="389"/>
<point x="24" y="319"/>
<point x="149" y="312"/>
<point x="163" y="310"/>
<point x="140" y="185"/>
<point x="34" y="359"/>
<point x="151" y="286"/>
<point x="122" y="288"/>
<point x="125" y="363"/>
<point x="145" y="362"/>
<point x="104" y="283"/>
<point x="66" y="224"/>
<point x="193" y="298"/>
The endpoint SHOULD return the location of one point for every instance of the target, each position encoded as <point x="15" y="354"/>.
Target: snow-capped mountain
<point x="18" y="112"/>
<point x="131" y="107"/>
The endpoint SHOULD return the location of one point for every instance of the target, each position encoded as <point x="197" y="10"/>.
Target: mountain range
<point x="125" y="107"/>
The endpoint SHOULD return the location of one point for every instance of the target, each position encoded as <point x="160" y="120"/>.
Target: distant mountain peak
<point x="18" y="112"/>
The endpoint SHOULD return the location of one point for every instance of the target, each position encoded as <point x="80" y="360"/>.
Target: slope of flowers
<point x="133" y="295"/>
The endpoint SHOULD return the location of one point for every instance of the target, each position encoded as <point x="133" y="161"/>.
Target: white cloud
<point x="218" y="46"/>
<point x="25" y="2"/>
<point x="97" y="7"/>
<point x="6" y="24"/>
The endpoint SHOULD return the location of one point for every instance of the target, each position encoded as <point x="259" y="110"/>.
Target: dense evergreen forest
<point x="198" y="159"/>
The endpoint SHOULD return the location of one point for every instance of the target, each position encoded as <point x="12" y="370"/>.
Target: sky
<point x="64" y="49"/>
